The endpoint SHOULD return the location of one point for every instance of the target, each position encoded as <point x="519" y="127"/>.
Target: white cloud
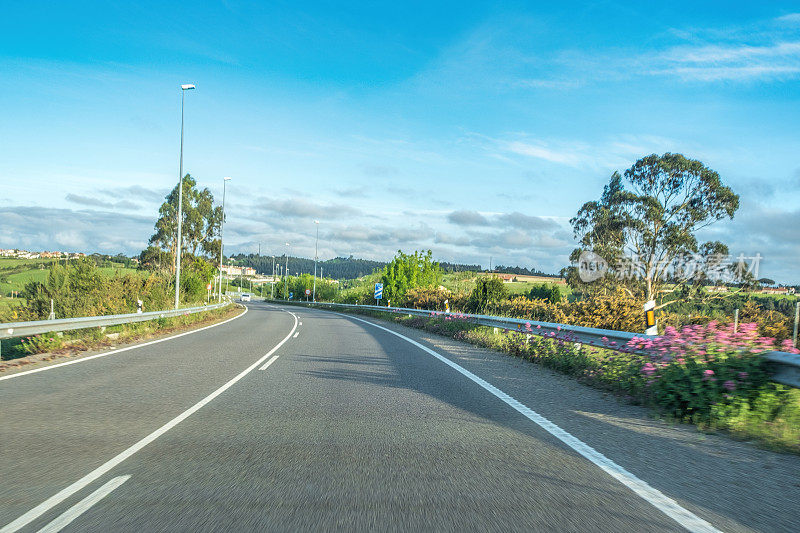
<point x="466" y="217"/>
<point x="299" y="208"/>
<point x="733" y="62"/>
<point x="539" y="151"/>
<point x="614" y="153"/>
<point x="495" y="56"/>
<point x="43" y="228"/>
<point x="791" y="18"/>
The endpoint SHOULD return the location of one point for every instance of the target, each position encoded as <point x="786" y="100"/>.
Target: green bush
<point x="488" y="294"/>
<point x="409" y="271"/>
<point x="545" y="291"/>
<point x="79" y="288"/>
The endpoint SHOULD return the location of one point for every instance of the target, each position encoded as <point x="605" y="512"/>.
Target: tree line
<point x="336" y="268"/>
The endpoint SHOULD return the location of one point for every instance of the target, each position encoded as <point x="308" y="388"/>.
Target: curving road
<point x="299" y="419"/>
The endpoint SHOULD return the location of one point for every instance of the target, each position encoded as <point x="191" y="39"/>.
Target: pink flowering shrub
<point x="688" y="372"/>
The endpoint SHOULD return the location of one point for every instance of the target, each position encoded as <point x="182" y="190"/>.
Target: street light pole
<point x="286" y="275"/>
<point x="316" y="248"/>
<point x="179" y="247"/>
<point x="221" y="229"/>
<point x="272" y="292"/>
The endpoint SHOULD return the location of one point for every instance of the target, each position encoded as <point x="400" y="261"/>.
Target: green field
<point x="16" y="282"/>
<point x="16" y="273"/>
<point x="19" y="276"/>
<point x="12" y="262"/>
<point x="7" y="303"/>
<point x="458" y="282"/>
<point x="465" y="282"/>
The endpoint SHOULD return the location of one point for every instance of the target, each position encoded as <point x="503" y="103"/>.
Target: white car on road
<point x="245" y="297"/>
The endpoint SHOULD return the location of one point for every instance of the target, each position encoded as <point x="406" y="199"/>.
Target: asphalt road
<point x="297" y="419"/>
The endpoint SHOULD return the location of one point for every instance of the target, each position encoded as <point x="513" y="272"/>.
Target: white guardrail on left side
<point x="785" y="366"/>
<point x="23" y="329"/>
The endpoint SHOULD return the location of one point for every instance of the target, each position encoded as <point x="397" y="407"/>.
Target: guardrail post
<point x="736" y="321"/>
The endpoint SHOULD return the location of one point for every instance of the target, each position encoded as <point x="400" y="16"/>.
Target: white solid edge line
<point x="295" y="335"/>
<point x="64" y="519"/>
<point x="274" y="357"/>
<point x="659" y="500"/>
<point x="82" y="359"/>
<point x="68" y="491"/>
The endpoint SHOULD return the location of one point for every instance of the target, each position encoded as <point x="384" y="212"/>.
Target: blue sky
<point x="475" y="130"/>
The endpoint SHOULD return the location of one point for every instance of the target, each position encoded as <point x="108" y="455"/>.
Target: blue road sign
<point x="378" y="291"/>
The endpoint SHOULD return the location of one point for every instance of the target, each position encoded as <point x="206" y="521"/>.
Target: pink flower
<point x="743" y="375"/>
<point x="648" y="369"/>
<point x="788" y="346"/>
<point x="730" y="385"/>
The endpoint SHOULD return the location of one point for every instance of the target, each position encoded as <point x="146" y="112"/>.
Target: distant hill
<point x="337" y="268"/>
<point x="500" y="269"/>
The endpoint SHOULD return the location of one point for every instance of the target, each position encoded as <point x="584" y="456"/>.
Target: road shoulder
<point x="729" y="483"/>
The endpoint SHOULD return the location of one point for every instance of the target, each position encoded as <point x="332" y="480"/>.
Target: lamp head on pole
<point x="316" y="222"/>
<point x="187" y="86"/>
<point x="226" y="178"/>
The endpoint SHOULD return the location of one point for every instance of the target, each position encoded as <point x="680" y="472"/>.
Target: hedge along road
<point x="319" y="421"/>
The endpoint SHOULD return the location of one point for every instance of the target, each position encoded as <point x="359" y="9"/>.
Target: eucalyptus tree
<point x="652" y="214"/>
<point x="201" y="222"/>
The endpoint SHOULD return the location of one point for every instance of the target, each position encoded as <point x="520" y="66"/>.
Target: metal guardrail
<point x="785" y="366"/>
<point x="22" y="329"/>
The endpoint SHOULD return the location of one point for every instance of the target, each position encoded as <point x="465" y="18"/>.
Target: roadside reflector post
<point x="650" y="318"/>
<point x="736" y="320"/>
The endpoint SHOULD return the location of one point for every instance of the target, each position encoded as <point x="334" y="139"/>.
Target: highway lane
<point x="350" y="427"/>
<point x="60" y="423"/>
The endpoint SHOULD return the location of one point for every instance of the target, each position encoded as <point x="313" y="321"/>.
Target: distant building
<point x="717" y="288"/>
<point x="775" y="290"/>
<point x="231" y="270"/>
<point x="25" y="254"/>
<point x="524" y="278"/>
